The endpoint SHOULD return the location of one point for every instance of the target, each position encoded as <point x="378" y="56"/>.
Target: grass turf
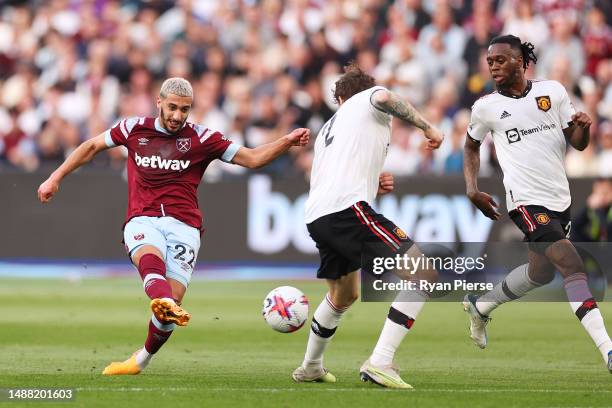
<point x="57" y="334"/>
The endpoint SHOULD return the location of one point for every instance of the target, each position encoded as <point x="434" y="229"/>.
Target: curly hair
<point x="353" y="81"/>
<point x="526" y="48"/>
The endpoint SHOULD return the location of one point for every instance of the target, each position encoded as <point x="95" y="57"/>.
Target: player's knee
<point x="352" y="297"/>
<point x="344" y="299"/>
<point x="545" y="274"/>
<point x="144" y="250"/>
<point x="564" y="257"/>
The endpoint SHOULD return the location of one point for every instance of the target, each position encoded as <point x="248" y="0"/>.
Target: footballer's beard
<point x="167" y="120"/>
<point x="510" y="81"/>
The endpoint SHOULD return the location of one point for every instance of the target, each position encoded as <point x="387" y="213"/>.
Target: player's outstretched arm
<point x="578" y="135"/>
<point x="471" y="165"/>
<point x="81" y="155"/>
<point x="394" y="105"/>
<point x="264" y="154"/>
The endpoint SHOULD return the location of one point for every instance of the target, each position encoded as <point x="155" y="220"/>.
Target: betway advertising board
<point x="256" y="219"/>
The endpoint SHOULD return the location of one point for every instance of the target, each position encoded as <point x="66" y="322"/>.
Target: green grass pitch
<point x="57" y="334"/>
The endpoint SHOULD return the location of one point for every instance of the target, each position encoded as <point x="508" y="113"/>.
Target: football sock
<point x="152" y="270"/>
<point x="399" y="321"/>
<point x="584" y="306"/>
<point x="515" y="285"/>
<point x="157" y="336"/>
<point x="324" y="324"/>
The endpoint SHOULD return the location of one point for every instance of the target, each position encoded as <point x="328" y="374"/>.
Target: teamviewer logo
<point x="513" y="135"/>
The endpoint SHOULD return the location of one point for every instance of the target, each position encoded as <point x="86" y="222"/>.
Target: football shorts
<point x="178" y="242"/>
<point x="346" y="238"/>
<point x="541" y="225"/>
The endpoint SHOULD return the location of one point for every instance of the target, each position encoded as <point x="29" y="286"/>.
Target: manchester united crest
<point x="542" y="218"/>
<point x="183" y="144"/>
<point x="400" y="233"/>
<point x="543" y="102"/>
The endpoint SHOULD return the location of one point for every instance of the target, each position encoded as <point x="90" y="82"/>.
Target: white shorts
<point x="178" y="242"/>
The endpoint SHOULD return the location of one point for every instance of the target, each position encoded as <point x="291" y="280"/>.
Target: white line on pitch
<point x="310" y="389"/>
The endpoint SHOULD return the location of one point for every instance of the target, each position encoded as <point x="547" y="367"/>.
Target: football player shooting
<point x="167" y="158"/>
<point x="346" y="177"/>
<point x="530" y="122"/>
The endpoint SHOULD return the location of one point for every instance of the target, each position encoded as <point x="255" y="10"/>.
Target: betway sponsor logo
<point x="156" y="162"/>
<point x="276" y="222"/>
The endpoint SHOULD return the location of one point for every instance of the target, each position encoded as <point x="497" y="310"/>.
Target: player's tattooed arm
<point x="578" y="134"/>
<point x="471" y="165"/>
<point x="81" y="155"/>
<point x="392" y="104"/>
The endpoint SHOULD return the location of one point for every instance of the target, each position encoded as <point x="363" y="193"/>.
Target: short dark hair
<point x="525" y="48"/>
<point x="352" y="82"/>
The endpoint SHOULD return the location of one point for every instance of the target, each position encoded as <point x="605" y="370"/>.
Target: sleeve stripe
<point x="372" y="103"/>
<point x="108" y="139"/>
<point x="230" y="152"/>
<point x="205" y="135"/>
<point x="123" y="129"/>
<point x="478" y="142"/>
<point x="130" y="124"/>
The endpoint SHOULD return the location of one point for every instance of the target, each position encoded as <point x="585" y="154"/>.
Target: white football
<point x="285" y="309"/>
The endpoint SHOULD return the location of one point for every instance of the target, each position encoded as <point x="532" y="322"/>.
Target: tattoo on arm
<point x="394" y="105"/>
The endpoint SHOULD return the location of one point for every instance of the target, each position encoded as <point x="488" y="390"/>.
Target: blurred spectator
<point x="527" y="25"/>
<point x="412" y="13"/>
<point x="562" y="44"/>
<point x="605" y="156"/>
<point x="453" y="164"/>
<point x="594" y="222"/>
<point x="70" y="69"/>
<point x="443" y="29"/>
<point x="597" y="38"/>
<point x="482" y="33"/>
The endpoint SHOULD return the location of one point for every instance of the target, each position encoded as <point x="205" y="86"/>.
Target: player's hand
<point x="434" y="138"/>
<point x="299" y="137"/>
<point x="47" y="190"/>
<point x="582" y="120"/>
<point x="385" y="183"/>
<point x="485" y="203"/>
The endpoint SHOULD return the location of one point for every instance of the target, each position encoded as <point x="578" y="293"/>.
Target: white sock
<point x="399" y="321"/>
<point x="515" y="285"/>
<point x="594" y="325"/>
<point x="324" y="323"/>
<point x="143" y="357"/>
<point x="587" y="312"/>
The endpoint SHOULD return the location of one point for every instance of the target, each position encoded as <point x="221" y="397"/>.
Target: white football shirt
<point x="349" y="154"/>
<point x="527" y="132"/>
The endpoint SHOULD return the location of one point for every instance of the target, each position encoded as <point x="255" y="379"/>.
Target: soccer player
<point x="346" y="177"/>
<point x="530" y="122"/>
<point x="167" y="158"/>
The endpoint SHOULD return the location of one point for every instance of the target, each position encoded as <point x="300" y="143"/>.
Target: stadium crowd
<point x="69" y="69"/>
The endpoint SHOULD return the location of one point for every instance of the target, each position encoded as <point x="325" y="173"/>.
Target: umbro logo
<point x="143" y="141"/>
<point x="505" y="115"/>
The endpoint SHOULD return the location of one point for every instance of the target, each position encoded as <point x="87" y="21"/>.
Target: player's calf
<point x="585" y="308"/>
<point x="152" y="270"/>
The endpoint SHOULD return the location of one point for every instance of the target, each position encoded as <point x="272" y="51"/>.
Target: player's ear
<point x="158" y="101"/>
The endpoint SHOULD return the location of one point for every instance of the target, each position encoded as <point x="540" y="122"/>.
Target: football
<point x="285" y="309"/>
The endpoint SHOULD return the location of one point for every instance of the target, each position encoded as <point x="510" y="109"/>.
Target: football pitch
<point x="60" y="334"/>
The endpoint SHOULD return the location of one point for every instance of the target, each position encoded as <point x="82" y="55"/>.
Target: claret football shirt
<point x="164" y="169"/>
